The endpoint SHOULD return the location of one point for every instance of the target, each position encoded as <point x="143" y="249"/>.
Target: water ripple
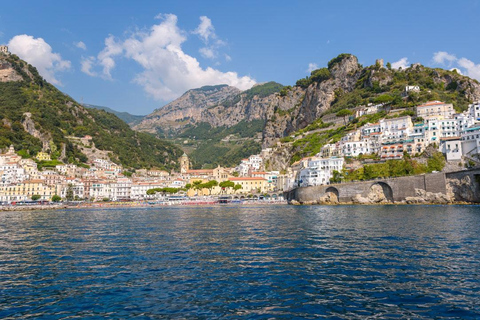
<point x="281" y="262"/>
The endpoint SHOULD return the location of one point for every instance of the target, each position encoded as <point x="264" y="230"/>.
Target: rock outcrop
<point x="328" y="198"/>
<point x="8" y="73"/>
<point x="375" y="196"/>
<point x="424" y="197"/>
<point x="463" y="189"/>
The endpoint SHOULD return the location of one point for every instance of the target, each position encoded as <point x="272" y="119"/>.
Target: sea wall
<point x="462" y="186"/>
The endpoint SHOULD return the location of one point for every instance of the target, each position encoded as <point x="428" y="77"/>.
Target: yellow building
<point x="25" y="191"/>
<point x="251" y="184"/>
<point x="43" y="156"/>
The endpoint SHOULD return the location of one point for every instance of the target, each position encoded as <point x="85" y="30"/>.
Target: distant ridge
<point x="129" y="118"/>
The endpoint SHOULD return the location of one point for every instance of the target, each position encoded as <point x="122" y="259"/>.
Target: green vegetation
<point x="36" y="197"/>
<point x="392" y="168"/>
<point x="285" y="91"/>
<point x="56" y="198"/>
<point x="212" y="151"/>
<point x="57" y="116"/>
<point x="48" y="164"/>
<point x="386" y="86"/>
<point x="210" y="154"/>
<point x="345" y="114"/>
<point x="337" y="60"/>
<point x="163" y="190"/>
<point x="210" y="88"/>
<point x="263" y="90"/>
<point x="318" y="75"/>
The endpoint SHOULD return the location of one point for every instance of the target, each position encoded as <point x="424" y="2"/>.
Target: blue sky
<point x="136" y="56"/>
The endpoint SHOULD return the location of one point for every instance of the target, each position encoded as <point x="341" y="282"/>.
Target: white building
<point x="355" y="148"/>
<point x="474" y="111"/>
<point x="471" y="141"/>
<point x="319" y="171"/>
<point x="452" y="148"/>
<point x="396" y="128"/>
<point x="121" y="189"/>
<point x="247" y="166"/>
<point x="139" y="190"/>
<point x="436" y="110"/>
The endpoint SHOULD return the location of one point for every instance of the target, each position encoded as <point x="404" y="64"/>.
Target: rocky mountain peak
<point x="344" y="65"/>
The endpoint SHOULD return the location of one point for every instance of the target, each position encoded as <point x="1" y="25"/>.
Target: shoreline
<point x="397" y="203"/>
<point x="294" y="203"/>
<point x="119" y="205"/>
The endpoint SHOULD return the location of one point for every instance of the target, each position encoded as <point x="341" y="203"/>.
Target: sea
<point x="241" y="262"/>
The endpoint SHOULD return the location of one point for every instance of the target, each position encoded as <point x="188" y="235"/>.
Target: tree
<point x="35" y="197"/>
<point x="197" y="184"/>
<point x="384" y="98"/>
<point x="210" y="184"/>
<point x="320" y="75"/>
<point x="69" y="194"/>
<point x="56" y="198"/>
<point x="389" y="66"/>
<point x="227" y="184"/>
<point x="345" y="113"/>
<point x="237" y="187"/>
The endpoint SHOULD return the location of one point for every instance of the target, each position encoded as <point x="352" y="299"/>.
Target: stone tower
<point x="184" y="163"/>
<point x="4" y="50"/>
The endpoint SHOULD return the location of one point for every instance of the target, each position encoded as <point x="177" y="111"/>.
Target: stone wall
<point x="427" y="188"/>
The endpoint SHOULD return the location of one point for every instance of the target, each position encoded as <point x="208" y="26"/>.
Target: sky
<point x="136" y="56"/>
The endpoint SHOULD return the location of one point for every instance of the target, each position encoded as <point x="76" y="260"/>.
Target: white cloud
<point x="206" y="32"/>
<point x="441" y="57"/>
<point x="311" y="67"/>
<point x="228" y="58"/>
<point x="402" y="63"/>
<point x="105" y="57"/>
<point x="167" y="71"/>
<point x="471" y="69"/>
<point x="465" y="66"/>
<point x="205" y="29"/>
<point x="81" y="45"/>
<point x="457" y="70"/>
<point x="39" y="54"/>
<point x="208" y="52"/>
<point x="87" y="65"/>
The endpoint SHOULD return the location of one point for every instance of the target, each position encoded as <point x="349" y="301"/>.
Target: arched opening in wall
<point x="332" y="194"/>
<point x="380" y="191"/>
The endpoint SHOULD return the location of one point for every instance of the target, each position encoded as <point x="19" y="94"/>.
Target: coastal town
<point x="456" y="135"/>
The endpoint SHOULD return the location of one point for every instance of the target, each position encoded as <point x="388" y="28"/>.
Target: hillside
<point x="128" y="118"/>
<point x="35" y="116"/>
<point x="342" y="84"/>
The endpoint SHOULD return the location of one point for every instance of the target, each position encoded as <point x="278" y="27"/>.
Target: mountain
<point x="343" y="84"/>
<point x="216" y="124"/>
<point x="35" y="115"/>
<point x="128" y="118"/>
<point x="186" y="110"/>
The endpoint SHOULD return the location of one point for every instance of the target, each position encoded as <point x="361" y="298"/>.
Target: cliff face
<point x="185" y="110"/>
<point x="7" y="71"/>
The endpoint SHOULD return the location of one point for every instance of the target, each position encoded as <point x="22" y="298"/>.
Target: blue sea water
<point x="266" y="262"/>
